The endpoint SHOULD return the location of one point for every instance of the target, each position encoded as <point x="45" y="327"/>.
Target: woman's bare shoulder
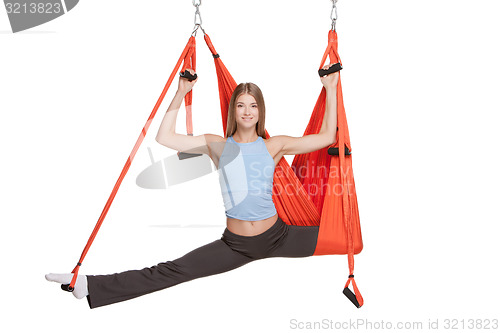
<point x="275" y="146"/>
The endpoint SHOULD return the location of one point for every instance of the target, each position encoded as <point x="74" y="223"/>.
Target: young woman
<point x="246" y="162"/>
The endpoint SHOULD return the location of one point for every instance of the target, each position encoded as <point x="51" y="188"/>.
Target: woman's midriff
<point x="250" y="228"/>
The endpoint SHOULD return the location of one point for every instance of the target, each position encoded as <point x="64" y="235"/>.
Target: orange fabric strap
<point x="187" y="57"/>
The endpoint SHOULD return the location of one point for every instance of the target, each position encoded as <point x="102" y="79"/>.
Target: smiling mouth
<point x="247" y="118"/>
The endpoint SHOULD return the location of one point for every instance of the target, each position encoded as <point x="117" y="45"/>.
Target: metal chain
<point x="334" y="10"/>
<point x="197" y="18"/>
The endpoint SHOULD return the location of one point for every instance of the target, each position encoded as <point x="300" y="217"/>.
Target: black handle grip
<point x="188" y="76"/>
<point x="351" y="297"/>
<point x="66" y="287"/>
<point x="335" y="151"/>
<point x="334" y="68"/>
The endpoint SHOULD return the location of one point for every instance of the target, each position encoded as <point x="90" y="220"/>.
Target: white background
<point x="419" y="83"/>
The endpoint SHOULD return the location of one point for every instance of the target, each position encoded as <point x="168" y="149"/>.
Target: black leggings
<point x="222" y="255"/>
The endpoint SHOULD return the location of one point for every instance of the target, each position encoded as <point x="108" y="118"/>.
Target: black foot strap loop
<point x="349" y="294"/>
<point x="66" y="287"/>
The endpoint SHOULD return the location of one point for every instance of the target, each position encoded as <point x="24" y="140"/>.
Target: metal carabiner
<point x="334" y="10"/>
<point x="197" y="18"/>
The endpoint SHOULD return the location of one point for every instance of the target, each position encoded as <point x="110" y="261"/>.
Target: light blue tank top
<point x="246" y="173"/>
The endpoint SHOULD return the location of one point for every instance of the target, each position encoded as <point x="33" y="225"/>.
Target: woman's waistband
<point x="279" y="224"/>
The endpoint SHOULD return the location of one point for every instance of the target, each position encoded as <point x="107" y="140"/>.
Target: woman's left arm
<point x="328" y="132"/>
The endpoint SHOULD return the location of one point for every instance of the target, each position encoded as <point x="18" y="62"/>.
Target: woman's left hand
<point x="185" y="85"/>
<point x="330" y="80"/>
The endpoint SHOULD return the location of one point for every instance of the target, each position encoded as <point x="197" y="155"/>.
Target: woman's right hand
<point x="185" y="85"/>
<point x="330" y="80"/>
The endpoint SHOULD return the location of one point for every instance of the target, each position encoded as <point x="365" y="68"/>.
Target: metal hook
<point x="197" y="18"/>
<point x="334" y="10"/>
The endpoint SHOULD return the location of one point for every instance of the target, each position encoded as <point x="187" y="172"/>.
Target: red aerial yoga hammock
<point x="333" y="203"/>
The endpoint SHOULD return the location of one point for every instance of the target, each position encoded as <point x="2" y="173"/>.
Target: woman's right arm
<point x="166" y="134"/>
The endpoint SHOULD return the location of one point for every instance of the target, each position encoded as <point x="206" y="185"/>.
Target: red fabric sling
<point x="332" y="206"/>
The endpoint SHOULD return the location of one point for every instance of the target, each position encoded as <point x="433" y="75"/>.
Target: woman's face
<point x="247" y="111"/>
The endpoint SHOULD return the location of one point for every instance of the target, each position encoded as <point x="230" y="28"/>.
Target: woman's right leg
<point x="213" y="258"/>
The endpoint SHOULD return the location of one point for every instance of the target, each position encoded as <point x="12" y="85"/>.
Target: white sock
<point x="80" y="290"/>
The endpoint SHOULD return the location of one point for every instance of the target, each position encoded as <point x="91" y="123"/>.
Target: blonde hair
<point x="253" y="90"/>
